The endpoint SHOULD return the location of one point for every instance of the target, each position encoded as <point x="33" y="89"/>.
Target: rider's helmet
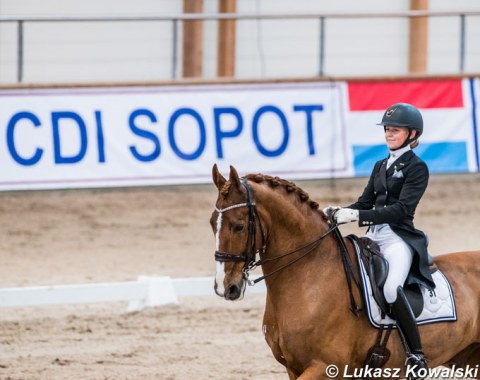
<point x="404" y="115"/>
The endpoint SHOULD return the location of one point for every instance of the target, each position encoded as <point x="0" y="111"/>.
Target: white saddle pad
<point x="439" y="305"/>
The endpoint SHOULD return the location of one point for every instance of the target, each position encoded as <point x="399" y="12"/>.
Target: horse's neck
<point x="289" y="230"/>
<point x="310" y="289"/>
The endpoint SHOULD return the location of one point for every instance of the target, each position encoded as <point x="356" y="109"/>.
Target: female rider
<point x="387" y="206"/>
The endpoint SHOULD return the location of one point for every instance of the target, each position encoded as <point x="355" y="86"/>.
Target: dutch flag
<point x="450" y="139"/>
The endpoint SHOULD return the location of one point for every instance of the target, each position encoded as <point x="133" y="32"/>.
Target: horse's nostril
<point x="233" y="292"/>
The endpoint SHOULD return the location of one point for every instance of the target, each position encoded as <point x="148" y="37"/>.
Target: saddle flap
<point x="380" y="269"/>
<point x="377" y="269"/>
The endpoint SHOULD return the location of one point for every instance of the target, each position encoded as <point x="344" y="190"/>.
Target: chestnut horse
<point x="307" y="322"/>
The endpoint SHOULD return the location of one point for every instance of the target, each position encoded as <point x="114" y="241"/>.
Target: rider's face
<point x="396" y="136"/>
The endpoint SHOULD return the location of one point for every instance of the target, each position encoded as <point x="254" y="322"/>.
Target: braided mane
<point x="289" y="187"/>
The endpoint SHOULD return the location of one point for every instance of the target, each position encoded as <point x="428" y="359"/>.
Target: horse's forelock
<point x="225" y="189"/>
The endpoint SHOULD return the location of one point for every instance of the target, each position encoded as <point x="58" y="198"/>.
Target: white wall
<point x="142" y="51"/>
<point x="88" y="52"/>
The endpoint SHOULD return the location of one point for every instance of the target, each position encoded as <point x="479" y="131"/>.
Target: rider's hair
<point x="414" y="143"/>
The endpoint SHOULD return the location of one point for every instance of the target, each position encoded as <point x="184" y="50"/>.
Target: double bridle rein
<point x="249" y="257"/>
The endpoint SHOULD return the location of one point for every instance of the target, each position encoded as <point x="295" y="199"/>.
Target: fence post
<point x="20" y="51"/>
<point x="462" y="43"/>
<point x="174" y="48"/>
<point x="322" y="47"/>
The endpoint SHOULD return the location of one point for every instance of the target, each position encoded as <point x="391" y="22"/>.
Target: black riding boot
<point x="407" y="327"/>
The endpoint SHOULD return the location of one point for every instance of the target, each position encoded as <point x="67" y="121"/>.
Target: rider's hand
<point x="331" y="209"/>
<point x="345" y="215"/>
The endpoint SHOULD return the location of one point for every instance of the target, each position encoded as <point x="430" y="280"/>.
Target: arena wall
<point x="127" y="51"/>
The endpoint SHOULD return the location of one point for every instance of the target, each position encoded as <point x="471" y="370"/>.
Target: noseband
<point x="250" y="254"/>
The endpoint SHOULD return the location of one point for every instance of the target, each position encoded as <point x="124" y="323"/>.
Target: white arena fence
<point x="146" y="291"/>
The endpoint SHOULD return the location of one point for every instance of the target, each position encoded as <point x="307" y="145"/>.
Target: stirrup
<point x="418" y="360"/>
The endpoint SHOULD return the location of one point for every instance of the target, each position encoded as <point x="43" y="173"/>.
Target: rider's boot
<point x="407" y="327"/>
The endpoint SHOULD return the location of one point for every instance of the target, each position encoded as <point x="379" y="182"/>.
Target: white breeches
<point x="398" y="254"/>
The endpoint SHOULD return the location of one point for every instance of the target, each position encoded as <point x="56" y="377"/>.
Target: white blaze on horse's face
<point x="219" y="277"/>
<point x="235" y="287"/>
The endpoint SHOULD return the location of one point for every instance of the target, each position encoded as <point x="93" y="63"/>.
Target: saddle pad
<point x="439" y="305"/>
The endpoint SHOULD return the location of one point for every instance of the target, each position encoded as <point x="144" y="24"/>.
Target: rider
<point x="387" y="206"/>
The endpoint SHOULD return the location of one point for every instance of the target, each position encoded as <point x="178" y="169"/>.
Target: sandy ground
<point x="82" y="236"/>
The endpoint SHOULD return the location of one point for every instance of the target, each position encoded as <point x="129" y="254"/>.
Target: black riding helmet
<point x="404" y="115"/>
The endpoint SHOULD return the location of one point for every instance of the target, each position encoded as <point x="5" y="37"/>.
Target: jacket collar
<point x="401" y="162"/>
<point x="396" y="154"/>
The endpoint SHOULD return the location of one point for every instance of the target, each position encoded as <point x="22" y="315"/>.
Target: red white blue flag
<point x="449" y="142"/>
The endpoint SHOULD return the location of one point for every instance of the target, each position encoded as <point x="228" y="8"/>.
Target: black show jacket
<point x="391" y="196"/>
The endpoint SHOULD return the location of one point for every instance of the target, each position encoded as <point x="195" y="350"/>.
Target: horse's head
<point x="234" y="223"/>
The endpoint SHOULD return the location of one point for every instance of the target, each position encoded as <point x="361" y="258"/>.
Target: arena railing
<point x="175" y="19"/>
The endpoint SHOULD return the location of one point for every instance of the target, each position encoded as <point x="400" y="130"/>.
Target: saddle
<point x="377" y="268"/>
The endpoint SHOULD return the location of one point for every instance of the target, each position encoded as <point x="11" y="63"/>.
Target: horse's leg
<point x="315" y="372"/>
<point x="473" y="359"/>
<point x="470" y="356"/>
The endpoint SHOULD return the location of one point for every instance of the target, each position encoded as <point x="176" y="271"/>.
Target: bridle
<point x="250" y="254"/>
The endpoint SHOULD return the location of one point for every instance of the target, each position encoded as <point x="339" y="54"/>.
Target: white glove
<point x="330" y="209"/>
<point x="345" y="215"/>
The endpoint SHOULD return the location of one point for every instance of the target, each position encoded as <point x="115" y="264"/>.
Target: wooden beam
<point x="226" y="40"/>
<point x="418" y="44"/>
<point x="192" y="41"/>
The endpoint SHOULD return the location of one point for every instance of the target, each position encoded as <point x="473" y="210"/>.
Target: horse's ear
<point x="218" y="179"/>
<point x="235" y="178"/>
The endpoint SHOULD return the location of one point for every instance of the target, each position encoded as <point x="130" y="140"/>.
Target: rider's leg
<point x="399" y="256"/>
<point x="407" y="326"/>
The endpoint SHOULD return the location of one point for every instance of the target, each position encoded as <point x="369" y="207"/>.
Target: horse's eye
<point x="238" y="228"/>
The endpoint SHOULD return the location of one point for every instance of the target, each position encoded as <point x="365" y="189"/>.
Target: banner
<point x="103" y="137"/>
<point x="447" y="144"/>
<point x="143" y="136"/>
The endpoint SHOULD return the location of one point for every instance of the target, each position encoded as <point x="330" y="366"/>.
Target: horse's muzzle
<point x="234" y="292"/>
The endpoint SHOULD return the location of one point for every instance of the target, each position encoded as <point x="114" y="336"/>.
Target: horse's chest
<point x="272" y="336"/>
<point x="287" y="342"/>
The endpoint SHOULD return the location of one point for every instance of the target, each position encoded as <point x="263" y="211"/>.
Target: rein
<point x="349" y="272"/>
<point x="249" y="256"/>
<point x="310" y="247"/>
